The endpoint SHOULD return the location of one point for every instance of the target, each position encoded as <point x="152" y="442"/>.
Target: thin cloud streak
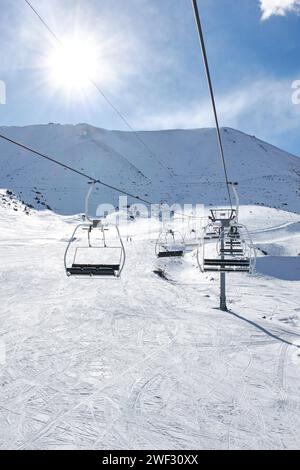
<point x="264" y="106"/>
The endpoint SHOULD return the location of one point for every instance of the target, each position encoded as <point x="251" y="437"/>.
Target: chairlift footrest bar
<point x="226" y="270"/>
<point x="170" y="254"/>
<point x="228" y="262"/>
<point x="93" y="270"/>
<point x="228" y="251"/>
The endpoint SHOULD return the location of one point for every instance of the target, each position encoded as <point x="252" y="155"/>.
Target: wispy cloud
<point x="264" y="108"/>
<point x="278" y="7"/>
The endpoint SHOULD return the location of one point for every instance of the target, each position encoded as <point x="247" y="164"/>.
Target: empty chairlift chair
<point x="91" y="252"/>
<point x="213" y="232"/>
<point x="95" y="250"/>
<point x="233" y="244"/>
<point x="191" y="236"/>
<point x="170" y="244"/>
<point x="191" y="240"/>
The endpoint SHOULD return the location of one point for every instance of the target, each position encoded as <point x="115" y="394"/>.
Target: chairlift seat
<point x="93" y="270"/>
<point x="169" y="254"/>
<point x="83" y="255"/>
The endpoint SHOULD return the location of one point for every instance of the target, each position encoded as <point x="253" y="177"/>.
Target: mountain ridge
<point x="180" y="166"/>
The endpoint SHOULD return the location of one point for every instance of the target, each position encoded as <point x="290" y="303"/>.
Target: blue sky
<point x="149" y="64"/>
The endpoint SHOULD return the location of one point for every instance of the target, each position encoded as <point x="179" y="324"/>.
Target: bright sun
<point x="72" y="63"/>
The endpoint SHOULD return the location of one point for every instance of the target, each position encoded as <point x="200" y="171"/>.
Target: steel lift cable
<point x="211" y="92"/>
<point x="67" y="167"/>
<point x="84" y="175"/>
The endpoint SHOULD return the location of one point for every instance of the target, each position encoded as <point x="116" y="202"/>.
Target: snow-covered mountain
<point x="147" y="362"/>
<point x="176" y="166"/>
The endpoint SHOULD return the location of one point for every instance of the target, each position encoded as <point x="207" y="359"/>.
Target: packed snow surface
<point x="147" y="361"/>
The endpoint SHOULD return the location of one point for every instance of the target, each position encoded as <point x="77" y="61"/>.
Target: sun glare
<point x="72" y="63"/>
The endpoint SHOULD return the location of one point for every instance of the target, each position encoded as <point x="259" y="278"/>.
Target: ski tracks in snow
<point x="141" y="363"/>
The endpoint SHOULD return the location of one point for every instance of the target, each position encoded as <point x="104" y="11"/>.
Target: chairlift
<point x="230" y="256"/>
<point x="213" y="232"/>
<point x="221" y="215"/>
<point x="217" y="216"/>
<point x="95" y="249"/>
<point x="235" y="251"/>
<point x="234" y="244"/>
<point x="191" y="237"/>
<point x="233" y="233"/>
<point x="169" y="244"/>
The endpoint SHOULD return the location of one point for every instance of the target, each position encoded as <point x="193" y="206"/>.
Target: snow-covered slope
<point x="146" y="362"/>
<point x="177" y="166"/>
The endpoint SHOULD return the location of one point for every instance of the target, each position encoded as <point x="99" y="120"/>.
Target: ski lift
<point x="191" y="237"/>
<point x="235" y="251"/>
<point x="233" y="243"/>
<point x="213" y="232"/>
<point x="233" y="233"/>
<point x="170" y="244"/>
<point x="230" y="255"/>
<point x="217" y="217"/>
<point x="95" y="249"/>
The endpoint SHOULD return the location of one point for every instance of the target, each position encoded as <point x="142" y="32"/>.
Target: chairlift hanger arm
<point x="87" y="202"/>
<point x="237" y="199"/>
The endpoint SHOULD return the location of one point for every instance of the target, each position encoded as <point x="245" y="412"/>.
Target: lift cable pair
<point x="211" y="92"/>
<point x="84" y="175"/>
<point x="235" y="249"/>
